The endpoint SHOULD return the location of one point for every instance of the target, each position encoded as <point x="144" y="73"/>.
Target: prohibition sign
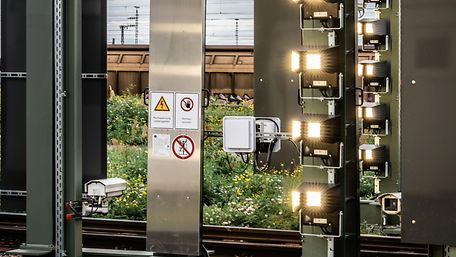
<point x="183" y="147"/>
<point x="187" y="104"/>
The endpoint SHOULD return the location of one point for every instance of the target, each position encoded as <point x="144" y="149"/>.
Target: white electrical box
<point x="239" y="134"/>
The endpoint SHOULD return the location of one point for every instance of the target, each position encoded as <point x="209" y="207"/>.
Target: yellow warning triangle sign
<point x="162" y="106"/>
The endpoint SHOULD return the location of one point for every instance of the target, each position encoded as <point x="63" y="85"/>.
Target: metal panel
<point x="13" y="104"/>
<point x="277" y="33"/>
<point x="94" y="127"/>
<point x="40" y="121"/>
<point x="428" y="64"/>
<point x="174" y="196"/>
<point x="13" y="97"/>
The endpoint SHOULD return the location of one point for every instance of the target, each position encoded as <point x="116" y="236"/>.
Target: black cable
<point x="75" y="212"/>
<point x="295" y="145"/>
<point x="246" y="161"/>
<point x="324" y="92"/>
<point x="229" y="164"/>
<point x="361" y="12"/>
<point x="268" y="159"/>
<point x="324" y="230"/>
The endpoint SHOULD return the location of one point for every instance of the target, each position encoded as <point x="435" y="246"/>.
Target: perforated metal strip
<point x="58" y="119"/>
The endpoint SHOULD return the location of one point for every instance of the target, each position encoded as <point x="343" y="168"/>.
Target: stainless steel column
<point x="174" y="174"/>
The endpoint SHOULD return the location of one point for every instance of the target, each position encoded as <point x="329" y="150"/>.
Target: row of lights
<point x="320" y="135"/>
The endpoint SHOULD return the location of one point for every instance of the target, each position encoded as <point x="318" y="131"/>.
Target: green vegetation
<point x="233" y="194"/>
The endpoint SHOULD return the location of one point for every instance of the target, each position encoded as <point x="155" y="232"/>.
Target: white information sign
<point x="161" y="113"/>
<point x="187" y="111"/>
<point x="161" y="145"/>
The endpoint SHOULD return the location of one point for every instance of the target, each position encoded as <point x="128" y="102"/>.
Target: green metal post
<point x="73" y="120"/>
<point x="39" y="118"/>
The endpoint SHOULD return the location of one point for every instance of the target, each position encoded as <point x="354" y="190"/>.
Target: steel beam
<point x="175" y="153"/>
<point x="73" y="120"/>
<point x="40" y="120"/>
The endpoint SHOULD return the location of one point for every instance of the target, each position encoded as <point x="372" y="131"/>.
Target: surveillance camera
<point x="391" y="203"/>
<point x="105" y="188"/>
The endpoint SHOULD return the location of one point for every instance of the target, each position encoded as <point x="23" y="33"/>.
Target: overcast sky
<point x="221" y="21"/>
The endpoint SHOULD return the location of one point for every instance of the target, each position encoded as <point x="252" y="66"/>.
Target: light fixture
<point x="319" y="204"/>
<point x="314" y="130"/>
<point x="374" y="111"/>
<point x="313" y="199"/>
<point x="296" y="61"/>
<point x="316" y="197"/>
<point x="368" y="28"/>
<point x="316" y="61"/>
<point x="376" y="27"/>
<point x="374" y="34"/>
<point x="318" y="128"/>
<point x="313" y="61"/>
<point x="296" y="130"/>
<point x="374" y="76"/>
<point x="373" y="158"/>
<point x="360" y="70"/>
<point x="326" y="11"/>
<point x="374" y="117"/>
<point x="295" y="200"/>
<point x="368" y="113"/>
<point x="373" y="69"/>
<point x="319" y="69"/>
<point x="369" y="70"/>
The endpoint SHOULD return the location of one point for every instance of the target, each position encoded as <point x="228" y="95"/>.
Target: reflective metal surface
<point x="174" y="185"/>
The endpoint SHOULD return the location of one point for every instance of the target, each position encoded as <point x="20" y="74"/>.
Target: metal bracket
<point x="330" y="247"/>
<point x="341" y="220"/>
<point x="341" y="91"/>
<point x="94" y="75"/>
<point x="331" y="176"/>
<point x="272" y="135"/>
<point x="13" y="193"/>
<point x="341" y="21"/>
<point x="13" y="75"/>
<point x="331" y="107"/>
<point x="332" y="39"/>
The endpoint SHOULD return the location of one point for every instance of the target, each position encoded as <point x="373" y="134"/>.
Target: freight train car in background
<point x="229" y="69"/>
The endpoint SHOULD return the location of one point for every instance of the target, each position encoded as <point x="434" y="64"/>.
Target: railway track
<point x="225" y="241"/>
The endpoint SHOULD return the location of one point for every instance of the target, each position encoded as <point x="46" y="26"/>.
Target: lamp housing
<point x="374" y="74"/>
<point x="374" y="111"/>
<point x="318" y="128"/>
<point x="319" y="204"/>
<point x="374" y="33"/>
<point x="373" y="158"/>
<point x="316" y="61"/>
